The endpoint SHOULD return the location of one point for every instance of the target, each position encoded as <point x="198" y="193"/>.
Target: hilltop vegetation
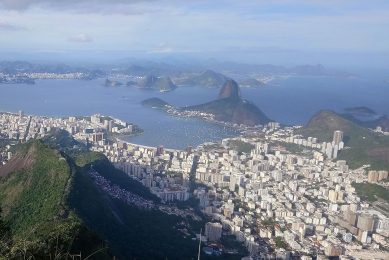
<point x="240" y="146"/>
<point x="365" y="146"/>
<point x="51" y="206"/>
<point x="33" y="199"/>
<point x="371" y="191"/>
<point x="155" y="103"/>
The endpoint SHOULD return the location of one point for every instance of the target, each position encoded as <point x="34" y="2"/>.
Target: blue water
<point x="297" y="99"/>
<point x="74" y="97"/>
<point x="290" y="101"/>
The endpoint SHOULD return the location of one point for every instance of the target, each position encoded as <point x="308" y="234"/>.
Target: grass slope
<point x="35" y="195"/>
<point x="35" y="208"/>
<point x="369" y="191"/>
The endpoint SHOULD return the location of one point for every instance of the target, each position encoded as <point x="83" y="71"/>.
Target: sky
<point x="335" y="32"/>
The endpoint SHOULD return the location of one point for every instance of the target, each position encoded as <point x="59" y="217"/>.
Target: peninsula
<point x="229" y="107"/>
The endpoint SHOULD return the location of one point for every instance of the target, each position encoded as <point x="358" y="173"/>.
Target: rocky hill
<point x="163" y="83"/>
<point x="228" y="107"/>
<point x="364" y="146"/>
<point x="230" y="90"/>
<point x="208" y="79"/>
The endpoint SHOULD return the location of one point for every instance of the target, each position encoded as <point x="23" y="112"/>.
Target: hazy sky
<point x="262" y="31"/>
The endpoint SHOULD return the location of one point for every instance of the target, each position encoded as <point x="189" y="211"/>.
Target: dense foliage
<point x="240" y="146"/>
<point x="364" y="146"/>
<point x="370" y="191"/>
<point x="39" y="223"/>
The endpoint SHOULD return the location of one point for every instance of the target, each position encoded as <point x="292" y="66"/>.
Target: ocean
<point x="290" y="101"/>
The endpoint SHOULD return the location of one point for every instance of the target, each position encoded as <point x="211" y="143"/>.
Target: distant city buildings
<point x="338" y="137"/>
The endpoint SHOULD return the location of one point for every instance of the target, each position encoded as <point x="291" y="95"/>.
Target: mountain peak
<point x="230" y="89"/>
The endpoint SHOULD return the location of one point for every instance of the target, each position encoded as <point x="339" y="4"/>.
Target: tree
<point x="5" y="236"/>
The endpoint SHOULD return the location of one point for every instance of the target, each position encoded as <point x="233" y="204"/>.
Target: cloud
<point x="26" y="4"/>
<point x="81" y="38"/>
<point x="5" y="26"/>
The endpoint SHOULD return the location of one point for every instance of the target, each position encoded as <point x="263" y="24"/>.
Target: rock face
<point x="230" y="107"/>
<point x="230" y="89"/>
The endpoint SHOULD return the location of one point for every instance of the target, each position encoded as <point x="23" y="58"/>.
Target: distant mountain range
<point x="229" y="107"/>
<point x="150" y="82"/>
<point x="208" y="79"/>
<point x="213" y="79"/>
<point x="189" y="73"/>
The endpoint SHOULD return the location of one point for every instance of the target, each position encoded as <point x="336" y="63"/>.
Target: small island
<point x="112" y="83"/>
<point x="163" y="84"/>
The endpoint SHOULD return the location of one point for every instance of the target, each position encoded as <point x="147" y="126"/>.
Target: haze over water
<point x="289" y="101"/>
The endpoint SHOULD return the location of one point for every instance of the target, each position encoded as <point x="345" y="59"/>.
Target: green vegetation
<point x="34" y="202"/>
<point x="370" y="191"/>
<point x="240" y="146"/>
<point x="39" y="190"/>
<point x="155" y="103"/>
<point x="85" y="158"/>
<point x="51" y="205"/>
<point x="280" y="243"/>
<point x="268" y="222"/>
<point x="291" y="147"/>
<point x="366" y="147"/>
<point x="61" y="140"/>
<point x="5" y="236"/>
<point x="212" y="146"/>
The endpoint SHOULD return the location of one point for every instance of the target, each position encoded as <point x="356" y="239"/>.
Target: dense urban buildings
<point x="274" y="201"/>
